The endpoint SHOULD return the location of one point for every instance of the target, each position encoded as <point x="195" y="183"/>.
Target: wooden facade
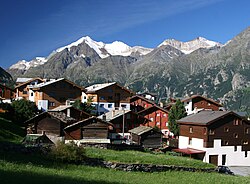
<point x="49" y="123"/>
<point x="6" y="92"/>
<point x="91" y="128"/>
<point x="139" y="103"/>
<point x="22" y="89"/>
<point x="230" y="128"/>
<point x="56" y="92"/>
<point x="146" y="137"/>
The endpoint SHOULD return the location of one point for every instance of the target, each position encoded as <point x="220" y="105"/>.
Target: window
<point x="236" y="135"/>
<point x="226" y="142"/>
<point x="31" y="94"/>
<point x="51" y="104"/>
<point x="101" y="105"/>
<point x="236" y="122"/>
<point x="245" y="142"/>
<point x="109" y="105"/>
<point x="25" y="92"/>
<point x="85" y="97"/>
<point x="205" y="131"/>
<point x="245" y="153"/>
<point x="211" y="132"/>
<point x="158" y="114"/>
<point x="158" y="123"/>
<point x="151" y="119"/>
<point x="247" y="130"/>
<point x="102" y="98"/>
<point x="226" y="129"/>
<point x="164" y="115"/>
<point x="208" y="104"/>
<point x="123" y="106"/>
<point x="190" y="129"/>
<point x="166" y="124"/>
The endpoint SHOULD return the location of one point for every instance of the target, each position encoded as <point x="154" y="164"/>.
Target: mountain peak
<point x="190" y="46"/>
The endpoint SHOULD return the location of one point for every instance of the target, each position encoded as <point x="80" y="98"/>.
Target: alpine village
<point x="97" y="124"/>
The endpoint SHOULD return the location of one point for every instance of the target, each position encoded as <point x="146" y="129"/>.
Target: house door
<point x="224" y="159"/>
<point x="213" y="159"/>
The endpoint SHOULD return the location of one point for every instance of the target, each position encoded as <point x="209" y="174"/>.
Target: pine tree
<point x="176" y="112"/>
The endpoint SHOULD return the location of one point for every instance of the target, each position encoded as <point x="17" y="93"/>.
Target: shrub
<point x="70" y="153"/>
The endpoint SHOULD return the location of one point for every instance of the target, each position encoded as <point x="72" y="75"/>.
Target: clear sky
<point x="30" y="28"/>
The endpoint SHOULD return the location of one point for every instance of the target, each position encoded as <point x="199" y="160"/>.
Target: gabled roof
<point x="52" y="81"/>
<point x="152" y="109"/>
<point x="60" y="108"/>
<point x="142" y="98"/>
<point x="86" y="120"/>
<point x="199" y="96"/>
<point x="26" y="81"/>
<point x="96" y="87"/>
<point x="114" y="114"/>
<point x="18" y="80"/>
<point x="205" y="117"/>
<point x="140" y="130"/>
<point x="58" y="115"/>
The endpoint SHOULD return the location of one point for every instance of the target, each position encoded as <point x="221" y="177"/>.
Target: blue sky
<point x="31" y="28"/>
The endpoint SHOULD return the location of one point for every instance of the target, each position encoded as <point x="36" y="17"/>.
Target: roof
<point x="58" y="115"/>
<point x="18" y="80"/>
<point x="113" y="114"/>
<point x="28" y="81"/>
<point x="85" y="120"/>
<point x="151" y="108"/>
<point x="143" y="98"/>
<point x="140" y="130"/>
<point x="97" y="87"/>
<point x="52" y="81"/>
<point x="96" y="141"/>
<point x="61" y="108"/>
<point x="199" y="96"/>
<point x="204" y="117"/>
<point x="189" y="151"/>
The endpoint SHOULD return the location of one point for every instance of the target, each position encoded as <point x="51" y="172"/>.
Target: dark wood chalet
<point x="6" y="93"/>
<point x="49" y="123"/>
<point x="70" y="111"/>
<point x="146" y="137"/>
<point x="224" y="135"/>
<point x="89" y="131"/>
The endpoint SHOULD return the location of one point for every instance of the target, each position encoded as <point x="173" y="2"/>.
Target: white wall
<point x="233" y="158"/>
<point x="31" y="98"/>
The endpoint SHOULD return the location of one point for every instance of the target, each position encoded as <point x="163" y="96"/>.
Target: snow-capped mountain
<point x="25" y="65"/>
<point x="104" y="50"/>
<point x="190" y="46"/>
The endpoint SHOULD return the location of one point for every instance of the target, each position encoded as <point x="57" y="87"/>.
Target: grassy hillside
<point x="144" y="158"/>
<point x="10" y="132"/>
<point x="15" y="168"/>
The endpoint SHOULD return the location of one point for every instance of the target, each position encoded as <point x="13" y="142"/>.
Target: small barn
<point x="146" y="137"/>
<point x="49" y="123"/>
<point x="89" y="131"/>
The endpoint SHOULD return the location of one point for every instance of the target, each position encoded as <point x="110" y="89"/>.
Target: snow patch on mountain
<point x="104" y="50"/>
<point x="190" y="46"/>
<point x="25" y="65"/>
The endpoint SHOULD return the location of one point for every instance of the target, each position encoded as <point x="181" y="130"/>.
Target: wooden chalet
<point x="89" y="131"/>
<point x="53" y="93"/>
<point x="222" y="136"/>
<point x="49" y="123"/>
<point x="108" y="96"/>
<point x="139" y="103"/>
<point x="70" y="111"/>
<point x="146" y="137"/>
<point x="22" y="87"/>
<point x="6" y="93"/>
<point x="197" y="103"/>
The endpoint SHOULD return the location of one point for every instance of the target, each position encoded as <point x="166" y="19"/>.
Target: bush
<point x="70" y="153"/>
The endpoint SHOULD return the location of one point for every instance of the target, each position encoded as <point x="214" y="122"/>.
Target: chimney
<point x="104" y="117"/>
